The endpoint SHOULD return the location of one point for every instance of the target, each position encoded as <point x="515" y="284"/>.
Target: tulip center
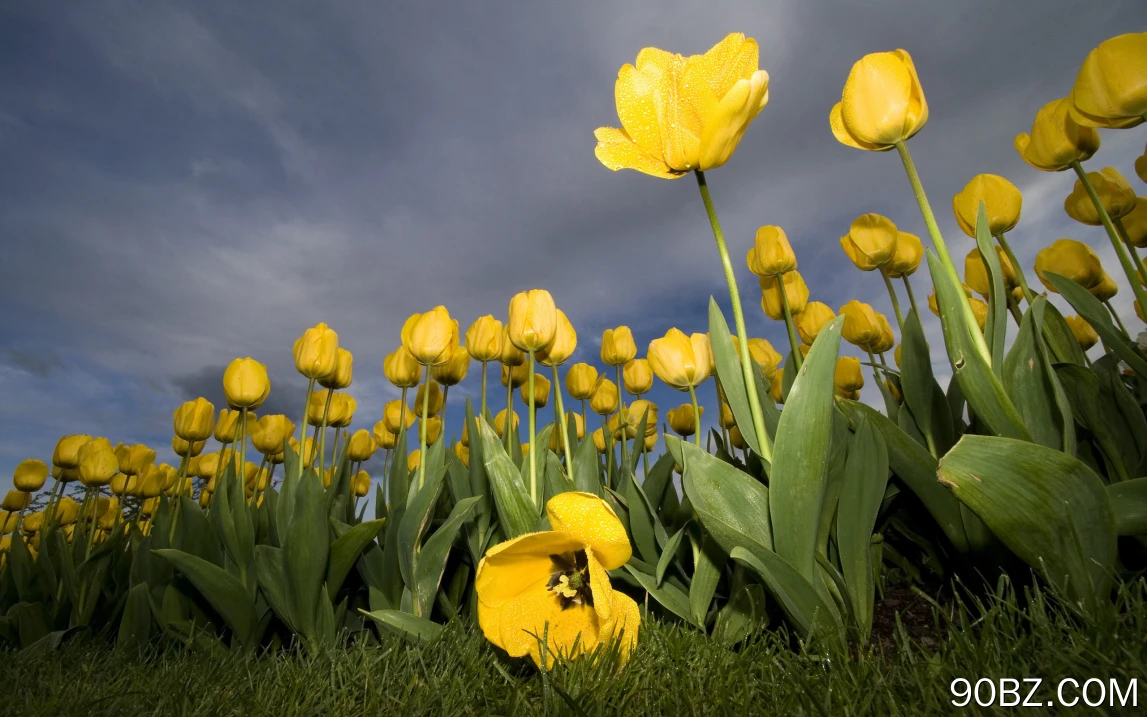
<point x="569" y="580"/>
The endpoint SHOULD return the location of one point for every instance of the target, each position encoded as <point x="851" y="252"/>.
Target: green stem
<point x="895" y="302"/>
<point x="533" y="456"/>
<point x="303" y="424"/>
<point x="739" y="318"/>
<point x="1118" y="321"/>
<point x="1120" y="250"/>
<point x="243" y="441"/>
<point x="1020" y="277"/>
<point x="1130" y="247"/>
<point x="1014" y="308"/>
<point x="323" y="433"/>
<point x="422" y="432"/>
<point x="622" y="414"/>
<point x="696" y="416"/>
<point x="509" y="422"/>
<point x="911" y="295"/>
<point x="445" y="397"/>
<point x="794" y="343"/>
<point x="94" y="504"/>
<point x="483" y="413"/>
<point x="563" y="422"/>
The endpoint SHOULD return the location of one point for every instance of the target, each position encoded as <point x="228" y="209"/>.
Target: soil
<point x="917" y="617"/>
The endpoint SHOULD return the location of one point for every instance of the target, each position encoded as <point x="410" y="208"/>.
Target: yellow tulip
<point x="402" y="369"/>
<point x="383" y="436"/>
<point x="1056" y="140"/>
<point x="511" y="354"/>
<point x="227" y="426"/>
<point x="976" y="272"/>
<point x="484" y="339"/>
<point x="681" y="361"/>
<point x="563" y="344"/>
<point x="581" y="381"/>
<point x="861" y="327"/>
<point x="341" y="407"/>
<point x="98" y="463"/>
<point x="1139" y="311"/>
<point x="1082" y="331"/>
<point x="682" y="114"/>
<point x="1115" y="193"/>
<point x="316" y="351"/>
<point x="813" y="319"/>
<point x="763" y="353"/>
<point x="67" y="453"/>
<point x="599" y="441"/>
<point x="1069" y="258"/>
<point x="882" y="103"/>
<point x="1105" y="289"/>
<point x="906" y="259"/>
<point x="932" y="305"/>
<point x="1111" y="87"/>
<point x="15" y="501"/>
<point x="195" y="420"/>
<point x="433" y="430"/>
<point x="725" y="417"/>
<point x="132" y="460"/>
<point x="500" y="422"/>
<point x="1141" y="166"/>
<point x="634" y="411"/>
<point x="270" y="432"/>
<point x="341" y="377"/>
<point x="413" y="460"/>
<point x="637" y="375"/>
<point x="30" y="475"/>
<point x="1002" y="202"/>
<point x="620" y="427"/>
<point x="554" y="584"/>
<point x="617" y="346"/>
<point x="245" y="383"/>
<point x="515" y="376"/>
<point x="463" y="453"/>
<point x="1135" y="223"/>
<point x="541" y="391"/>
<point x="605" y="398"/>
<point x="887" y="340"/>
<point x="533" y="319"/>
<point x="361" y="446"/>
<point x="776" y="386"/>
<point x="771" y="254"/>
<point x="342" y="410"/>
<point x="795" y="291"/>
<point x="184" y="448"/>
<point x="454" y="371"/>
<point x="682" y="420"/>
<point x="980" y="311"/>
<point x="871" y="241"/>
<point x="396" y="414"/>
<point x="67" y="510"/>
<point x="431" y="337"/>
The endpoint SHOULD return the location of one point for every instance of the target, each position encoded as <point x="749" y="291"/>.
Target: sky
<point x="187" y="183"/>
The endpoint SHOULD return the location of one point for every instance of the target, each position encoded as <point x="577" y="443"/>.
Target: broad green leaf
<point x="668" y="554"/>
<point x="517" y="513"/>
<point x="587" y="476"/>
<point x="667" y="595"/>
<point x="419" y="513"/>
<point x="135" y="623"/>
<point x="729" y="372"/>
<point x="403" y="623"/>
<point x="1029" y="385"/>
<point x="995" y="329"/>
<point x="1123" y="413"/>
<point x="1081" y="386"/>
<point x="800" y="457"/>
<point x="1059" y="339"/>
<point x="272" y="578"/>
<point x="223" y="590"/>
<point x="1049" y="508"/>
<point x="809" y="613"/>
<point x="1091" y="309"/>
<point x="706" y="573"/>
<point x="916" y="380"/>
<point x="346" y="550"/>
<point x="478" y="531"/>
<point x="1129" y="504"/>
<point x="306" y="546"/>
<point x="746" y="609"/>
<point x="1040" y="313"/>
<point x="432" y="557"/>
<point x="641" y="519"/>
<point x="399" y="479"/>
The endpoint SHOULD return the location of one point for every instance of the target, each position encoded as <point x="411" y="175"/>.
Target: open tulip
<point x="316" y="351"/>
<point x="30" y="475"/>
<point x="1072" y="259"/>
<point x="882" y="103"/>
<point x="1001" y="199"/>
<point x="581" y="381"/>
<point x="402" y="369"/>
<point x="1111" y="87"/>
<point x="563" y="344"/>
<point x="431" y="337"/>
<point x="771" y="254"/>
<point x="341" y="377"/>
<point x="870" y="242"/>
<point x="1082" y="331"/>
<point x="813" y="319"/>
<point x="195" y="420"/>
<point x="245" y="383"/>
<point x="637" y="375"/>
<point x="906" y="259"/>
<point x="1115" y="193"/>
<point x="617" y="346"/>
<point x="796" y="292"/>
<point x="533" y="319"/>
<point x="454" y="371"/>
<point x="1056" y="140"/>
<point x="484" y="339"/>
<point x="682" y="114"/>
<point x="680" y="361"/>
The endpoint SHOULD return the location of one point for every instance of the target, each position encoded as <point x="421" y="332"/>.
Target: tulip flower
<point x="516" y="376"/>
<point x="1072" y="259"/>
<point x="605" y="398"/>
<point x="195" y="420"/>
<point x="813" y="319"/>
<point x="976" y="272"/>
<point x="384" y="437"/>
<point x="1141" y="166"/>
<point x="398" y="416"/>
<point x="30" y="475"/>
<point x="414" y="460"/>
<point x="882" y="103"/>
<point x="454" y="371"/>
<point x="870" y="242"/>
<point x="771" y="254"/>
<point x="402" y="369"/>
<point x="1111" y="87"/>
<point x="541" y="393"/>
<point x="886" y="341"/>
<point x="1134" y="224"/>
<point x="581" y="381"/>
<point x="245" y="383"/>
<point x="776" y="386"/>
<point x="361" y="446"/>
<point x="98" y="462"/>
<point x="554" y="584"/>
<point x="316" y="351"/>
<point x="765" y="355"/>
<point x="16" y="501"/>
<point x="341" y="377"/>
<point x="638" y="376"/>
<point x="1001" y="200"/>
<point x="484" y="339"/>
<point x="511" y="354"/>
<point x="132" y="460"/>
<point x="906" y="259"/>
<point x="463" y="453"/>
<point x="563" y="344"/>
<point x="861" y="327"/>
<point x="682" y="419"/>
<point x="533" y="320"/>
<point x="1083" y="331"/>
<point x="270" y="432"/>
<point x="66" y="454"/>
<point x="1106" y="289"/>
<point x="1056" y="140"/>
<point x="431" y="337"/>
<point x="1115" y="193"/>
<point x="500" y="422"/>
<point x="725" y="417"/>
<point x="680" y="361"/>
<point x="617" y="346"/>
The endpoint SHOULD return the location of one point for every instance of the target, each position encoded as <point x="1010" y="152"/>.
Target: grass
<point x="675" y="671"/>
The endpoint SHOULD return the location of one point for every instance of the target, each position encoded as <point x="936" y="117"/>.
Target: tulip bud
<point x="579" y="423"/>
<point x="637" y="376"/>
<point x="342" y="410"/>
<point x="847" y="377"/>
<point x="1115" y="194"/>
<point x="344" y="371"/>
<point x="205" y="499"/>
<point x="500" y="422"/>
<point x="882" y="103"/>
<point x="1001" y="199"/>
<point x="871" y="241"/>
<point x="484" y="339"/>
<point x="581" y="381"/>
<point x="453" y="371"/>
<point x="413" y="460"/>
<point x="30" y="475"/>
<point x="1072" y="259"/>
<point x="434" y="399"/>
<point x="682" y="420"/>
<point x="763" y="353"/>
<point x="795" y="291"/>
<point x="812" y="320"/>
<point x="361" y="483"/>
<point x="396" y="415"/>
<point x="776" y="386"/>
<point x="98" y="462"/>
<point x="431" y="337"/>
<point x="316" y="351"/>
<point x="184" y="448"/>
<point x="1056" y="140"/>
<point x="533" y="319"/>
<point x="639" y="408"/>
<point x="599" y="441"/>
<point x="337" y="410"/>
<point x="887" y="340"/>
<point x="16" y="500"/>
<point x="245" y="383"/>
<point x="67" y="510"/>
<point x="1082" y="331"/>
<point x="67" y="451"/>
<point x="1111" y="88"/>
<point x="562" y="346"/>
<point x="541" y="391"/>
<point x="511" y="354"/>
<point x="980" y="311"/>
<point x="1135" y="223"/>
<point x="195" y="420"/>
<point x="976" y="272"/>
<point x="906" y="259"/>
<point x="433" y="430"/>
<point x="725" y="417"/>
<point x="1141" y="166"/>
<point x="515" y="376"/>
<point x="463" y="453"/>
<point x="771" y="254"/>
<point x="1106" y="289"/>
<point x="270" y="432"/>
<point x="227" y="426"/>
<point x="384" y="437"/>
<point x="861" y="327"/>
<point x="605" y="398"/>
<point x="402" y="369"/>
<point x="617" y="346"/>
<point x="682" y="361"/>
<point x="361" y="446"/>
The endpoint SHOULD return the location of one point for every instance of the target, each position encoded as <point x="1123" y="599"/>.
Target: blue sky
<point x="188" y="183"/>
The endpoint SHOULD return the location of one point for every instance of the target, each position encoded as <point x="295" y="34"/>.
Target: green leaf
<point x="517" y="513"/>
<point x="800" y="457"/>
<point x="587" y="476"/>
<point x="1091" y="309"/>
<point x="419" y="512"/>
<point x="135" y="623"/>
<point x="809" y="613"/>
<point x="706" y="573"/>
<point x="729" y="372"/>
<point x="345" y="552"/>
<point x="1046" y="506"/>
<point x="306" y="547"/>
<point x="1129" y="504"/>
<point x="432" y="558"/>
<point x="399" y="479"/>
<point x="667" y="595"/>
<point x="668" y="554"/>
<point x="272" y="578"/>
<point x="223" y="590"/>
<point x="995" y="328"/>
<point x="403" y="623"/>
<point x="1081" y="386"/>
<point x="1059" y="339"/>
<point x="641" y="519"/>
<point x="1029" y="383"/>
<point x="916" y="379"/>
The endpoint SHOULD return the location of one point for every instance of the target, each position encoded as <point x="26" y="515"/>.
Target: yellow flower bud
<point x="581" y="381"/>
<point x="976" y="272"/>
<point x="1111" y="87"/>
<point x="413" y="460"/>
<point x="533" y="319"/>
<point x="344" y="371"/>
<point x="1135" y="223"/>
<point x="812" y="320"/>
<point x="195" y="420"/>
<point x="1072" y="259"/>
<point x="245" y="383"/>
<point x="635" y="410"/>
<point x="433" y="430"/>
<point x="980" y="311"/>
<point x="896" y="355"/>
<point x="1001" y="199"/>
<point x="316" y="351"/>
<point x="1082" y="331"/>
<point x="431" y="337"/>
<point x="484" y="339"/>
<point x="500" y="422"/>
<point x="871" y="241"/>
<point x="30" y="475"/>
<point x="132" y="460"/>
<point x="16" y="500"/>
<point x="463" y="453"/>
<point x="184" y="448"/>
<point x="605" y="398"/>
<point x="1141" y="166"/>
<point x="541" y="391"/>
<point x="361" y="446"/>
<point x="402" y="369"/>
<point x="682" y="361"/>
<point x="887" y="340"/>
<point x="763" y="353"/>
<point x="682" y="420"/>
<point x="1115" y="194"/>
<point x="1105" y="289"/>
<point x="934" y="307"/>
<point x="847" y="377"/>
<point x="383" y="436"/>
<point x="396" y="415"/>
<point x="736" y="439"/>
<point x="599" y="441"/>
<point x="906" y="259"/>
<point x="680" y="114"/>
<point x="67" y="510"/>
<point x="882" y="103"/>
<point x="511" y="354"/>
<point x="205" y="499"/>
<point x="227" y="426"/>
<point x="579" y="423"/>
<point x="342" y="410"/>
<point x="67" y="451"/>
<point x="338" y="414"/>
<point x="637" y="375"/>
<point x="771" y="254"/>
<point x="454" y="371"/>
<point x="861" y="327"/>
<point x="562" y="346"/>
<point x="725" y="418"/>
<point x="1056" y="140"/>
<point x="617" y="346"/>
<point x="515" y="376"/>
<point x="795" y="291"/>
<point x="270" y="432"/>
<point x="776" y="386"/>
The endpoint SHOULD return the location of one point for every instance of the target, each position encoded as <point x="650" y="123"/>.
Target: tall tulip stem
<point x="794" y="342"/>
<point x="533" y="456"/>
<point x="1120" y="250"/>
<point x="323" y="433"/>
<point x="895" y="301"/>
<point x="243" y="440"/>
<point x="622" y="415"/>
<point x="422" y="432"/>
<point x="696" y="416"/>
<point x="911" y="295"/>
<point x="303" y="423"/>
<point x="1023" y="280"/>
<point x="1130" y="247"/>
<point x="483" y="413"/>
<point x="563" y="423"/>
<point x="1115" y="315"/>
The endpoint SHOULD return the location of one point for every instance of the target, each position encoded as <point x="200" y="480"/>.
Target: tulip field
<point x="622" y="549"/>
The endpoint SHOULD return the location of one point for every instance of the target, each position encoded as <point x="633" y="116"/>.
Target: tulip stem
<point x="696" y="416"/>
<point x="1013" y="306"/>
<point x="303" y="425"/>
<point x="1120" y="250"/>
<point x="422" y="432"/>
<point x="895" y="301"/>
<point x="445" y="395"/>
<point x="1117" y="319"/>
<point x="1130" y="247"/>
<point x="1023" y="280"/>
<point x="794" y="342"/>
<point x="911" y="296"/>
<point x="507" y="425"/>
<point x="483" y="412"/>
<point x="243" y="440"/>
<point x="607" y="439"/>
<point x="739" y="318"/>
<point x="563" y="423"/>
<point x="533" y="456"/>
<point x="622" y="415"/>
<point x="323" y="433"/>
<point x="52" y="497"/>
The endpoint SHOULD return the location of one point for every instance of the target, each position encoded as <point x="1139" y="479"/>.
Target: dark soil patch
<point x="917" y="616"/>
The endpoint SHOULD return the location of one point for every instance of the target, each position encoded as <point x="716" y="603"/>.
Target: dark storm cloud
<point x="188" y="183"/>
<point x="39" y="364"/>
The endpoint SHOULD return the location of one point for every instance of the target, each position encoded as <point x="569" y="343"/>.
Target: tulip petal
<point x="917" y="106"/>
<point x="633" y="94"/>
<point x="836" y="122"/>
<point x="617" y="151"/>
<point x="733" y="58"/>
<point x="1111" y="87"/>
<point x="726" y="123"/>
<point x="587" y="518"/>
<point x="624" y="625"/>
<point x="877" y="98"/>
<point x="680" y="104"/>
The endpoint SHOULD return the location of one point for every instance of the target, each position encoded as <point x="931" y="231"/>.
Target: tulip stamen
<point x="569" y="581"/>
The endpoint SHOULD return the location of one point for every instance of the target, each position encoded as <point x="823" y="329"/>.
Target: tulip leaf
<point x="346" y="550"/>
<point x="769" y="410"/>
<point x="630" y="465"/>
<point x="729" y="372"/>
<point x="272" y="578"/>
<point x="517" y="513"/>
<point x="399" y="479"/>
<point x="432" y="557"/>
<point x="478" y="531"/>
<point x="1129" y="505"/>
<point x="419" y="512"/>
<point x="669" y="596"/>
<point x="587" y="476"/>
<point x="669" y="552"/>
<point x="405" y="624"/>
<point x="390" y="572"/>
<point x="1088" y="406"/>
<point x="803" y="605"/>
<point x="1050" y="509"/>
<point x="706" y="574"/>
<point x="1032" y="385"/>
<point x="982" y="388"/>
<point x="135" y="622"/>
<point x="1059" y="339"/>
<point x="916" y="379"/>
<point x="1123" y="413"/>
<point x="732" y="505"/>
<point x="995" y="328"/>
<point x="800" y="458"/>
<point x="221" y="589"/>
<point x="285" y="508"/>
<point x="1093" y="311"/>
<point x="306" y="547"/>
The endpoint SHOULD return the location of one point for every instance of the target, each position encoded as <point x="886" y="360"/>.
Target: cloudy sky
<point x="185" y="183"/>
